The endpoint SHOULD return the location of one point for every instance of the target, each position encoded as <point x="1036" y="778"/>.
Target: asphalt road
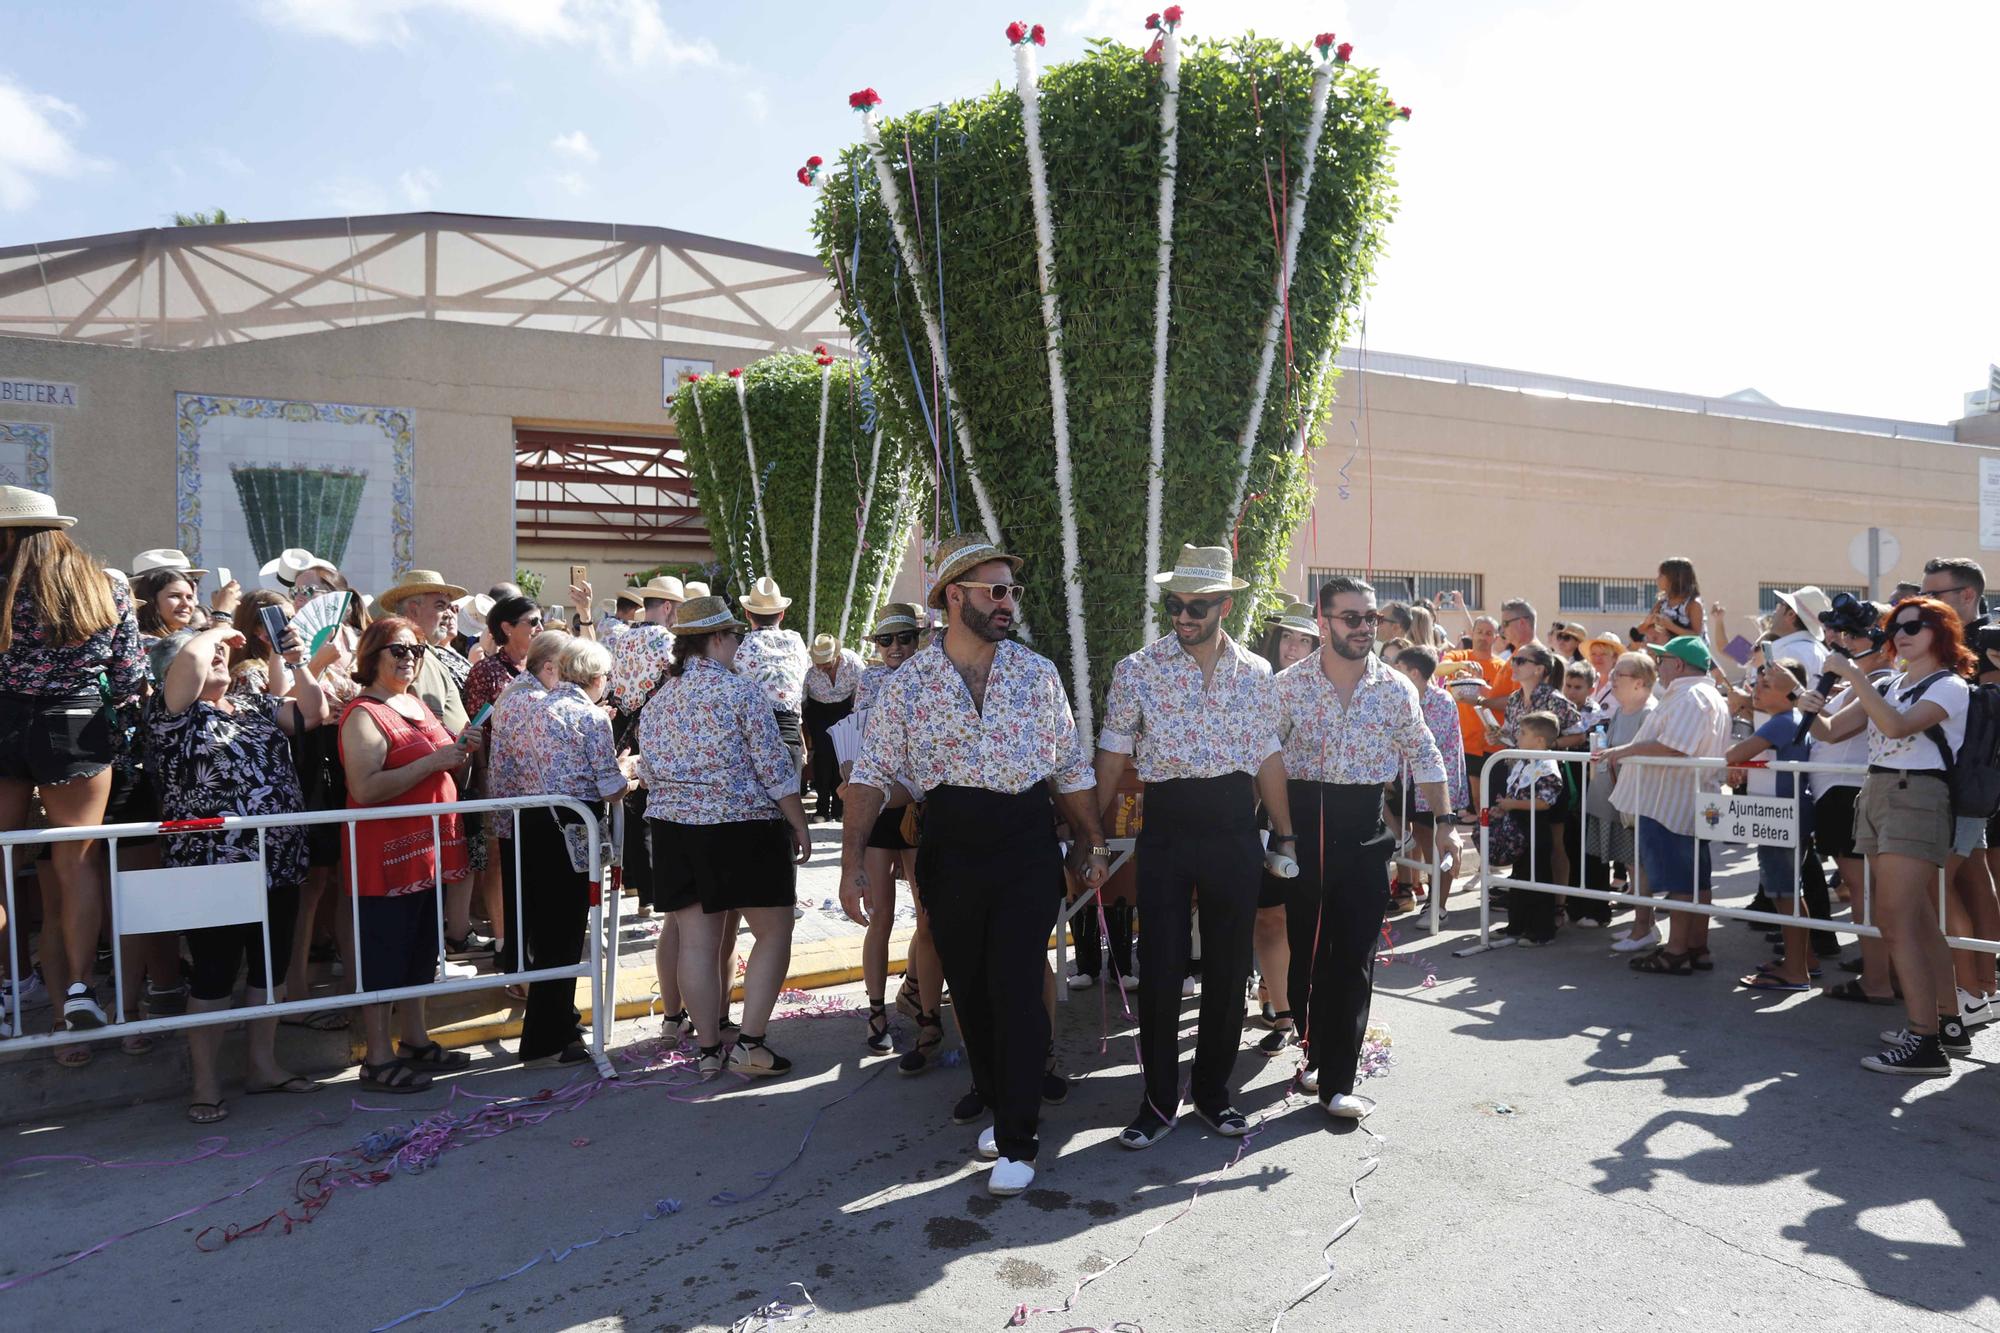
<point x="1561" y="1144"/>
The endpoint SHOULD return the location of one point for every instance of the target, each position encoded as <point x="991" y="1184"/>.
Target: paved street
<point x="1562" y="1144"/>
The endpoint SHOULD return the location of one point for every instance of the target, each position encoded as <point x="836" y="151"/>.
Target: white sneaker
<point x="1349" y="1106"/>
<point x="988" y="1148"/>
<point x="1975" y="1009"/>
<point x="1081" y="981"/>
<point x="1010" y="1177"/>
<point x="1309" y="1080"/>
<point x="1650" y="940"/>
<point x="454" y="971"/>
<point x="1129" y="982"/>
<point x="1189" y="986"/>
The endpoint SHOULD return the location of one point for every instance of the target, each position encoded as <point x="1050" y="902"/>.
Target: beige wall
<point x="468" y="385"/>
<point x="1523" y="489"/>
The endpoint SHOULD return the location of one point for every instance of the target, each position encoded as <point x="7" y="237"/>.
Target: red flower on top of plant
<point x="694" y="377"/>
<point x="737" y="373"/>
<point x="1017" y="32"/>
<point x="1343" y="52"/>
<point x="824" y="359"/>
<point x="819" y="349"/>
<point x="1324" y="42"/>
<point x="1038" y="35"/>
<point x="809" y="173"/>
<point x="1403" y="112"/>
<point x="1152" y="22"/>
<point x="815" y="161"/>
<point x="864" y="100"/>
<point x="805" y="176"/>
<point x="1171" y="16"/>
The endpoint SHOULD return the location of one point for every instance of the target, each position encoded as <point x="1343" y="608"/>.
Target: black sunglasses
<point x="1199" y="608"/>
<point x="405" y="652"/>
<point x="1356" y="619"/>
<point x="1908" y="627"/>
<point x="902" y="638"/>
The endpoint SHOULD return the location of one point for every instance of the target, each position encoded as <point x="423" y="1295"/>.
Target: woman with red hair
<point x="1903" y="819"/>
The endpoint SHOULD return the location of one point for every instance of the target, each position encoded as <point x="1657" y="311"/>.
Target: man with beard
<point x="1198" y="713"/>
<point x="1349" y="723"/>
<point x="981" y="727"/>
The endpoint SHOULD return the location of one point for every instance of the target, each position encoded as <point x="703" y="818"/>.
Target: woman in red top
<point x="396" y="752"/>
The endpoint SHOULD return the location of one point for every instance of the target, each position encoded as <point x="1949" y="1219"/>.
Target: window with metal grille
<point x="1767" y="593"/>
<point x="1404" y="585"/>
<point x="1601" y="596"/>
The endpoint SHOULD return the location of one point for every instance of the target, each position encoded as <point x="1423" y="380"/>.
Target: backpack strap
<point x="1935" y="731"/>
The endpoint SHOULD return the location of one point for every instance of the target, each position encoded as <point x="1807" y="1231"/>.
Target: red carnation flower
<point x="819" y="349"/>
<point x="815" y="161"/>
<point x="825" y="360"/>
<point x="1017" y="32"/>
<point x="1171" y="16"/>
<point x="1038" y="35"/>
<point x="1152" y="21"/>
<point x="864" y="99"/>
<point x="1323" y="41"/>
<point x="1343" y="51"/>
<point x="736" y="374"/>
<point x="805" y="176"/>
<point x="694" y="376"/>
<point x="1403" y="111"/>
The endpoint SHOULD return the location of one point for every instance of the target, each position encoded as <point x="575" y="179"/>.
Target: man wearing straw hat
<point x="1197" y="712"/>
<point x="776" y="658"/>
<point x="981" y="727"/>
<point x="830" y="686"/>
<point x="627" y="609"/>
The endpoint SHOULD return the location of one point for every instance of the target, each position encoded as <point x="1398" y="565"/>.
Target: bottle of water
<point x="1598" y="738"/>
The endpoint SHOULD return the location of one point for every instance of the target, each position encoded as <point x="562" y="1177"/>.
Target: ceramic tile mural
<point x="24" y="454"/>
<point x="257" y="475"/>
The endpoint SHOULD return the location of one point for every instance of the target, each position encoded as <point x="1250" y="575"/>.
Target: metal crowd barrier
<point x="1433" y="871"/>
<point x="236" y="882"/>
<point x="1861" y="923"/>
<point x="1121" y="852"/>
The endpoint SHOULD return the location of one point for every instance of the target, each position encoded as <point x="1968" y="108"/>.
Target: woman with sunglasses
<point x="396" y="752"/>
<point x="1903" y="819"/>
<point x="898" y="625"/>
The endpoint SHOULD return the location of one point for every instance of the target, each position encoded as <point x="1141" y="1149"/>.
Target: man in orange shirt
<point x="1473" y="724"/>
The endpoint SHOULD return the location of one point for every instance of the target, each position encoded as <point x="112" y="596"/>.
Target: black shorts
<point x="1271" y="890"/>
<point x="723" y="867"/>
<point x="398" y="940"/>
<point x="133" y="801"/>
<point x="1833" y="821"/>
<point x="887" y="834"/>
<point x="48" y="740"/>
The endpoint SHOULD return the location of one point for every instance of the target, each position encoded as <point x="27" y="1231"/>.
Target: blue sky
<point x="1703" y="196"/>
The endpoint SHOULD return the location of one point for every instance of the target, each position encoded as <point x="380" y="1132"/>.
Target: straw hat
<point x="1296" y="616"/>
<point x="765" y="599"/>
<point x="415" y="582"/>
<point x="1611" y="641"/>
<point x="291" y="563"/>
<point x="696" y="588"/>
<point x="1572" y="629"/>
<point x="663" y="588"/>
<point x="897" y="615"/>
<point x="23" y="508"/>
<point x="164" y="557"/>
<point x="705" y="615"/>
<point x="825" y="650"/>
<point x="1201" y="570"/>
<point x="960" y="555"/>
<point x="1806" y="604"/>
<point x="633" y="597"/>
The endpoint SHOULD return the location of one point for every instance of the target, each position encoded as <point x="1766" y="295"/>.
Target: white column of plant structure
<point x="819" y="469"/>
<point x="1294" y="225"/>
<point x="708" y="461"/>
<point x="861" y="536"/>
<point x="885" y="176"/>
<point x="1028" y="84"/>
<point x="1170" y="133"/>
<point x="756" y="482"/>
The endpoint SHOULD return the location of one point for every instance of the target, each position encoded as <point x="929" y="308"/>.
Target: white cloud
<point x="758" y="103"/>
<point x="575" y="144"/>
<point x="571" y="182"/>
<point x="624" y="33"/>
<point x="35" y="144"/>
<point x="418" y="184"/>
<point x="349" y="196"/>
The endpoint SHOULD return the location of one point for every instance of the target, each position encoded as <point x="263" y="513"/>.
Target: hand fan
<point x="318" y="620"/>
<point x="846" y="737"/>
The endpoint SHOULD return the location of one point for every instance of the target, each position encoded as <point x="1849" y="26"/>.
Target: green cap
<point x="1688" y="648"/>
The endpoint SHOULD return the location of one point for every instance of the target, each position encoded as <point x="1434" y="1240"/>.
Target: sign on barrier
<point x="1766" y="821"/>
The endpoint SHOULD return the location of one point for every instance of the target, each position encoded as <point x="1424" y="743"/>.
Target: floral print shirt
<point x="845" y="680"/>
<point x="778" y="660"/>
<point x="923" y="728"/>
<point x="53" y="671"/>
<point x="562" y="744"/>
<point x="711" y="749"/>
<point x="511" y="755"/>
<point x="869" y="686"/>
<point x="210" y="760"/>
<point x="455" y="663"/>
<point x="490" y="675"/>
<point x="1546" y="699"/>
<point x="641" y="657"/>
<point x="610" y="629"/>
<point x="1441" y="716"/>
<point x="1159" y="712"/>
<point x="1367" y="740"/>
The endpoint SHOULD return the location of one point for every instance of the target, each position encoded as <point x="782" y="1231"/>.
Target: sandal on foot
<point x="751" y="1056"/>
<point x="907" y="1002"/>
<point x="879" y="1039"/>
<point x="73" y="1057"/>
<point x="1764" y="980"/>
<point x="1665" y="963"/>
<point x="207" y="1113"/>
<point x="1851" y="990"/>
<point x="930" y="1036"/>
<point x="708" y="1061"/>
<point x="430" y="1055"/>
<point x="1280" y="1035"/>
<point x="138" y="1043"/>
<point x="393" y="1076"/>
<point x="1701" y="960"/>
<point x="297" y="1084"/>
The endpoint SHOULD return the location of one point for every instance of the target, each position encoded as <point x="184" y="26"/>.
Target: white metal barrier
<point x="230" y="894"/>
<point x="1121" y="852"/>
<point x="1432" y="870"/>
<point x="1862" y="923"/>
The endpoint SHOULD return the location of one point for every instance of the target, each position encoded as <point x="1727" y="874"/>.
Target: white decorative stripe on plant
<point x="819" y="468"/>
<point x="756" y="484"/>
<point x="1295" y="223"/>
<point x="885" y="176"/>
<point x="708" y="459"/>
<point x="861" y="536"/>
<point x="1027" y="83"/>
<point x="892" y="558"/>
<point x="1170" y="149"/>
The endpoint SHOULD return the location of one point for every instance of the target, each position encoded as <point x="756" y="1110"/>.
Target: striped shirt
<point x="1693" y="719"/>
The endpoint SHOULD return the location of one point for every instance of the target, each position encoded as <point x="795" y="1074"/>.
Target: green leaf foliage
<point x="1244" y="107"/>
<point x="783" y="394"/>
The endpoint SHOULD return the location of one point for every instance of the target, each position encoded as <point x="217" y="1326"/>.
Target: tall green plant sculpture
<point x="799" y="482"/>
<point x="1108" y="299"/>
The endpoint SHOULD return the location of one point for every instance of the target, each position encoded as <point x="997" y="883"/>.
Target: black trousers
<point x="1532" y="915"/>
<point x="1200" y="833"/>
<point x="1592" y="873"/>
<point x="638" y="860"/>
<point x="1333" y="918"/>
<point x="555" y="910"/>
<point x="990" y="873"/>
<point x="1088" y="937"/>
<point x="825" y="765"/>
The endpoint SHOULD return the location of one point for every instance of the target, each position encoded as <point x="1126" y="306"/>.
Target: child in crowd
<point x="1532" y="803"/>
<point x="1781" y="869"/>
<point x="1579" y="679"/>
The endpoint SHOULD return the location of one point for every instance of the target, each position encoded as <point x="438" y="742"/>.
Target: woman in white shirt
<point x="1903" y="819"/>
